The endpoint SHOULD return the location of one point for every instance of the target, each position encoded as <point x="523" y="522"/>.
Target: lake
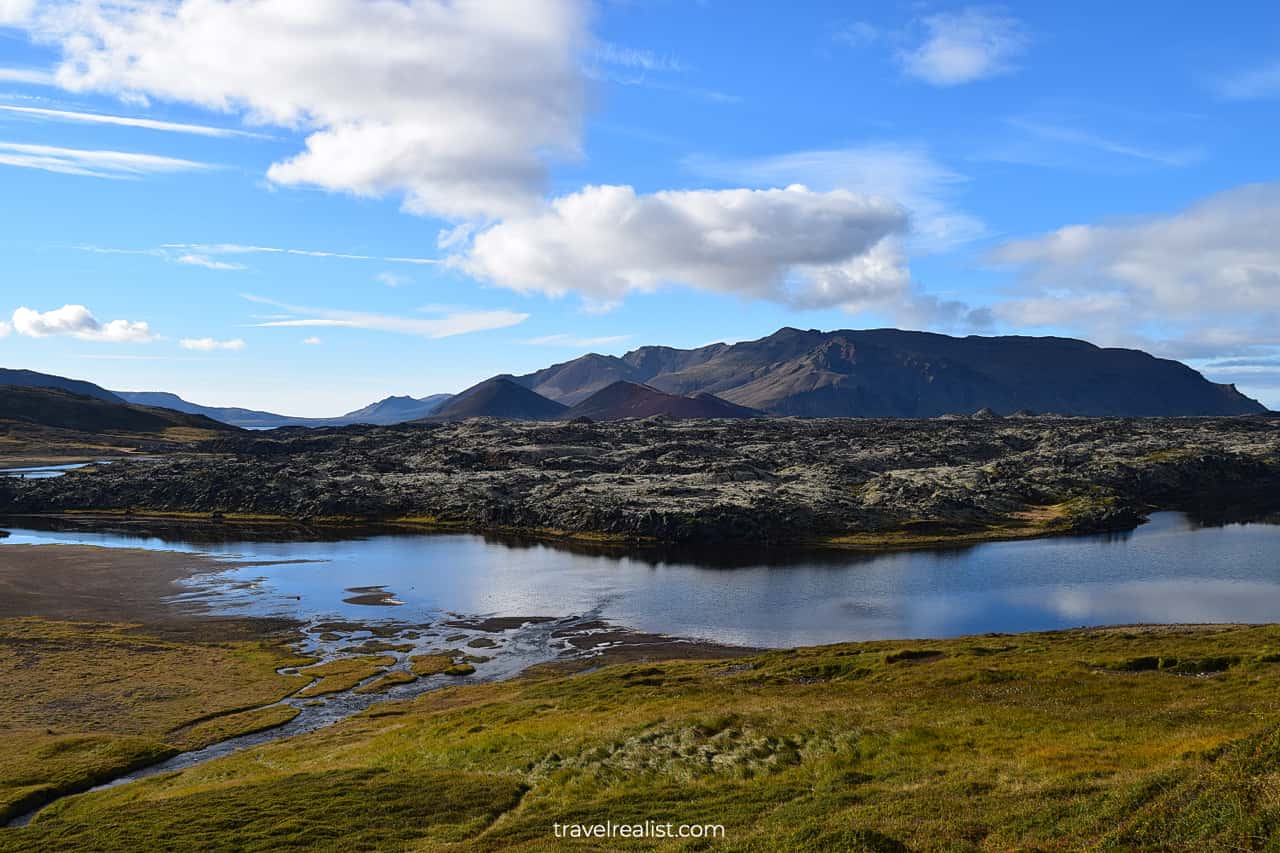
<point x="1169" y="570"/>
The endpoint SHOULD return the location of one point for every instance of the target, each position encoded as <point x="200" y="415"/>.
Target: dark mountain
<point x="631" y="400"/>
<point x="893" y="373"/>
<point x="55" y="408"/>
<point x="499" y="397"/>
<point x="31" y="379"/>
<point x="392" y="410"/>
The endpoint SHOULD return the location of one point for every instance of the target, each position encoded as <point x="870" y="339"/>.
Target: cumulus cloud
<point x="77" y="321"/>
<point x="391" y="279"/>
<point x="443" y="326"/>
<point x="795" y="246"/>
<point x="907" y="174"/>
<point x="211" y="344"/>
<point x="454" y="106"/>
<point x="961" y="47"/>
<point x="6" y="328"/>
<point x="91" y="163"/>
<point x="1202" y="281"/>
<point x="312" y="341"/>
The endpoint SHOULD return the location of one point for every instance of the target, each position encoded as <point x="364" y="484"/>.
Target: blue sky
<point x="307" y="206"/>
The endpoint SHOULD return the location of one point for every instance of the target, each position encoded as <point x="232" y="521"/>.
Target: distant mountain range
<point x="392" y="410"/>
<point x="846" y="373"/>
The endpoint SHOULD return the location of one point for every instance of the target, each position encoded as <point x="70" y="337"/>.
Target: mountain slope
<point x="31" y="379"/>
<point x="893" y="373"/>
<point x="631" y="400"/>
<point x="499" y="397"/>
<point x="58" y="409"/>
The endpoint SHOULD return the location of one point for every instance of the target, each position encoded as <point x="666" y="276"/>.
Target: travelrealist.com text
<point x="647" y="829"/>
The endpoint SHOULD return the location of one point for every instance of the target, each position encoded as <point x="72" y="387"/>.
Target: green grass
<point x="342" y="674"/>
<point x="81" y="703"/>
<point x="391" y="679"/>
<point x="1060" y="741"/>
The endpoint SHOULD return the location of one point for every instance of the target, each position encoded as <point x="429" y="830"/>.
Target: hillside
<point x="55" y="409"/>
<point x="499" y="397"/>
<point x="32" y="379"/>
<point x="893" y="373"/>
<point x="632" y="400"/>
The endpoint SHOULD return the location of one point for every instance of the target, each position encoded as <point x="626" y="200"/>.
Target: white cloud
<point x="453" y="106"/>
<point x="312" y="341"/>
<point x="961" y="47"/>
<point x="391" y="279"/>
<point x="794" y="246"/>
<point x="30" y="76"/>
<point x="6" y="328"/>
<point x="630" y="57"/>
<point x="905" y="173"/>
<point x="78" y="321"/>
<point x="125" y="121"/>
<point x="447" y="325"/>
<point x="207" y="263"/>
<point x="95" y="164"/>
<point x="566" y="340"/>
<point x="15" y="11"/>
<point x="210" y="344"/>
<point x="1252" y="84"/>
<point x="1202" y="281"/>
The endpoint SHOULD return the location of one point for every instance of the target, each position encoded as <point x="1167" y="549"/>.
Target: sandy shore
<point x="123" y="585"/>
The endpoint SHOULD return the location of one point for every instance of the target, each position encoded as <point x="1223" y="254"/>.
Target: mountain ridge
<point x="896" y="373"/>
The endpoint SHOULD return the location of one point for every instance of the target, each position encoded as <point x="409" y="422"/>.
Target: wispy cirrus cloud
<point x="124" y="121"/>
<point x="1261" y="82"/>
<point x="1067" y="134"/>
<point x="93" y="163"/>
<point x="442" y="326"/>
<point x="207" y="262"/>
<point x="29" y="76"/>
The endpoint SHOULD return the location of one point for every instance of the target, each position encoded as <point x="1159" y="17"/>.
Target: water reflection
<point x="1169" y="570"/>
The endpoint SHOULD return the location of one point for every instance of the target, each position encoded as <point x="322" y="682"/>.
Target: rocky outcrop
<point x="862" y="482"/>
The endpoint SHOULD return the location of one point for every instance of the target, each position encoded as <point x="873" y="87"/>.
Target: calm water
<point x="1166" y="571"/>
<point x="41" y="472"/>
